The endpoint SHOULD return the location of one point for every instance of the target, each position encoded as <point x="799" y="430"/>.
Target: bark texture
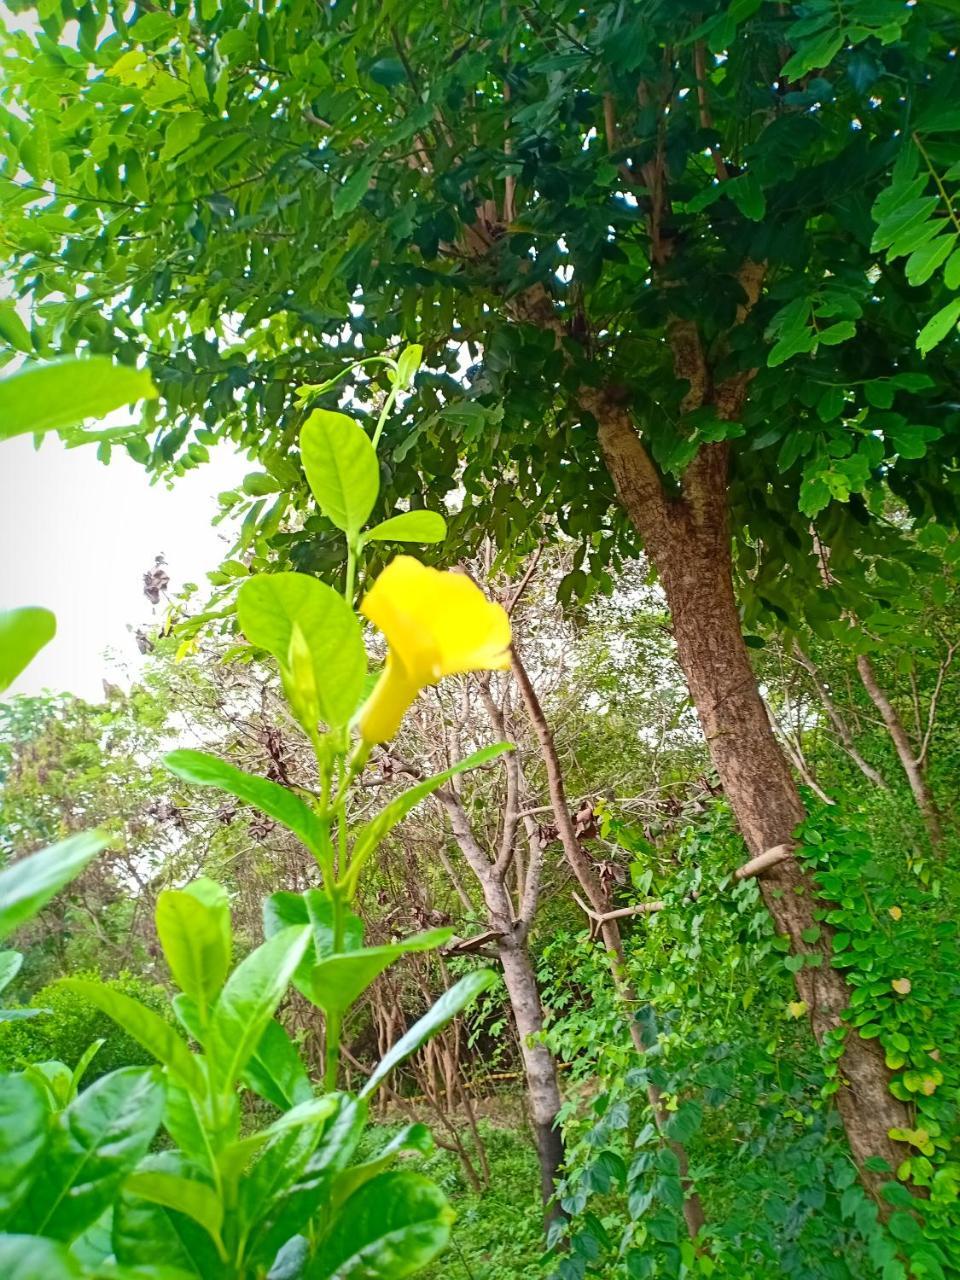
<point x="905" y="752"/>
<point x="511" y="941"/>
<point x="688" y="540"/>
<point x="543" y="1091"/>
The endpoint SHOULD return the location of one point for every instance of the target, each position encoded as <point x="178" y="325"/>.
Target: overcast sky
<point x="77" y="537"/>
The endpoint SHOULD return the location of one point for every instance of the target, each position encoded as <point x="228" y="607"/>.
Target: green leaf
<point x="392" y="1227"/>
<point x="445" y="1010"/>
<point x="747" y="194"/>
<point x="407" y="365"/>
<point x="25" y="1257"/>
<point x="12" y="329"/>
<point x="814" y="496"/>
<point x="195" y="943"/>
<point x="924" y="261"/>
<point x="249" y="1001"/>
<point x="197" y="1199"/>
<point x="409" y="526"/>
<point x="813" y="55"/>
<point x="279" y="803"/>
<point x="149" y="1233"/>
<point x="834" y="334"/>
<point x="10" y="962"/>
<point x="938" y="326"/>
<point x="337" y="981"/>
<point x="93" y="1144"/>
<point x="24" y="1116"/>
<point x="342" y="468"/>
<point x="270" y="605"/>
<point x="28" y="885"/>
<point x="348" y="196"/>
<point x="951" y="272"/>
<point x="80" y="1069"/>
<point x="23" y="633"/>
<point x="146" y="1027"/>
<point x="373" y="832"/>
<point x="275" y="1070"/>
<point x="415" y="1137"/>
<point x="50" y="397"/>
<point x="291" y="1179"/>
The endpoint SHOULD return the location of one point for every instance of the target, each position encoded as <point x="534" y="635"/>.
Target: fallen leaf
<point x="797" y="1008"/>
<point x="902" y="986"/>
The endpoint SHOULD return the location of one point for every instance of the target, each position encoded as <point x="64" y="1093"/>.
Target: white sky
<point x="77" y="536"/>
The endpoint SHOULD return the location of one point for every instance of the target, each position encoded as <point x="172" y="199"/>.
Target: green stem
<point x="384" y="414"/>
<point x="332" y="1052"/>
<point x="334" y="1020"/>
<point x="944" y="195"/>
<point x="350" y="582"/>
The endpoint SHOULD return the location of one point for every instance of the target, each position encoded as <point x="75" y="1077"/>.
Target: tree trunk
<point x="543" y="1089"/>
<point x="688" y="540"/>
<point x="905" y="752"/>
<point x="540" y="1068"/>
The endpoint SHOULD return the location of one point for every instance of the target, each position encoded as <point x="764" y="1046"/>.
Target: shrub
<point x="72" y="1023"/>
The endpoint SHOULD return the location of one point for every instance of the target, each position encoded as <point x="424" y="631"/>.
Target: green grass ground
<point x="497" y="1234"/>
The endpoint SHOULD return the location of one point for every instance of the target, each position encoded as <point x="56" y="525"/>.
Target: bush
<point x="72" y="1023"/>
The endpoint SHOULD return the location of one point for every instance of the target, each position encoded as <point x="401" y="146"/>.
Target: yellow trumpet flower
<point x="437" y="624"/>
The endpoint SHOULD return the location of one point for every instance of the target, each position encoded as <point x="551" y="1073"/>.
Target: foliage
<point x="751" y="1107"/>
<point x="487" y="199"/>
<point x="67" y="1024"/>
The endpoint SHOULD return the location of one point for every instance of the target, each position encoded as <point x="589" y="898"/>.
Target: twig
<point x="763" y="861"/>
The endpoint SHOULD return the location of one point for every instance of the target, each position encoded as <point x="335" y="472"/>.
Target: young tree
<point x="689" y="249"/>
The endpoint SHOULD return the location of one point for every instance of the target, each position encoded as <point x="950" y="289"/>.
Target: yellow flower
<point x="437" y="624"/>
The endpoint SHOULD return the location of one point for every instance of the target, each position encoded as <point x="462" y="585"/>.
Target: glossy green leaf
<point x="249" y="1001"/>
<point x="93" y="1144"/>
<point x="195" y="942"/>
<point x="24" y="1119"/>
<point x="294" y="1178"/>
<point x="197" y="1199"/>
<point x="148" y="1232"/>
<point x="50" y="397"/>
<point x="279" y="803"/>
<point x="392" y="1227"/>
<point x="341" y="466"/>
<point x="443" y="1011"/>
<point x="23" y="633"/>
<point x="338" y="981"/>
<point x="409" y="526"/>
<point x="270" y="605"/>
<point x="371" y="833"/>
<point x="275" y="1070"/>
<point x="28" y="885"/>
<point x="146" y="1027"/>
<point x="413" y="1137"/>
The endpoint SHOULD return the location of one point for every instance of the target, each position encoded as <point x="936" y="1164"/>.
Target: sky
<point x="77" y="537"/>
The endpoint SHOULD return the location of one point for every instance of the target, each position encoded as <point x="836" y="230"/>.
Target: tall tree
<point x="689" y="248"/>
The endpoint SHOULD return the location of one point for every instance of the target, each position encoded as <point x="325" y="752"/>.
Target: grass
<point x="497" y="1234"/>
